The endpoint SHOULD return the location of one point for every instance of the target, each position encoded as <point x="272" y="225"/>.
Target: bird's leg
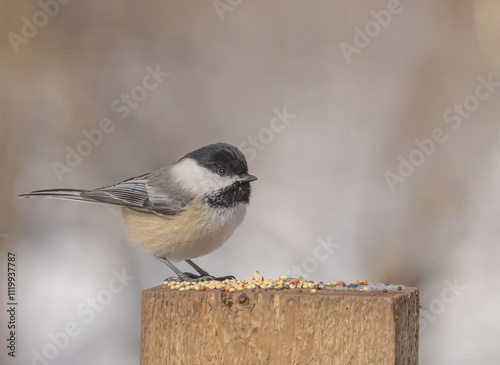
<point x="197" y="268"/>
<point x="180" y="275"/>
<point x="203" y="273"/>
<point x="183" y="276"/>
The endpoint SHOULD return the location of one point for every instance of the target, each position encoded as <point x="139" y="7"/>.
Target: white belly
<point x="187" y="235"/>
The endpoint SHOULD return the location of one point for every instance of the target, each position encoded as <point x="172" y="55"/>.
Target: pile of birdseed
<point x="258" y="283"/>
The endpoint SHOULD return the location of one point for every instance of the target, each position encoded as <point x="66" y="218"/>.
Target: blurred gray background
<point x="232" y="65"/>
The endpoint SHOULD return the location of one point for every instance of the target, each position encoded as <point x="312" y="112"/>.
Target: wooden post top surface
<point x="161" y="289"/>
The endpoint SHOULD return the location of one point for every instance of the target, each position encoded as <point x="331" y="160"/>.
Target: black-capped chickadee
<point x="182" y="211"/>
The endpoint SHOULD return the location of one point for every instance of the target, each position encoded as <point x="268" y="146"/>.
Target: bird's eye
<point x="222" y="172"/>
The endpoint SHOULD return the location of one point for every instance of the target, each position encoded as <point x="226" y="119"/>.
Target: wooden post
<point x="279" y="327"/>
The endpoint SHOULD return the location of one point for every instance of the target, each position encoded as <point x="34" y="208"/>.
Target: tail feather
<point x="70" y="194"/>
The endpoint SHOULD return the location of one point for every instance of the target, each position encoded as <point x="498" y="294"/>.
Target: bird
<point x="182" y="211"/>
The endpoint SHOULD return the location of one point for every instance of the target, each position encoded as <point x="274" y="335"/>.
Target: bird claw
<point x="193" y="276"/>
<point x="222" y="278"/>
<point x="190" y="277"/>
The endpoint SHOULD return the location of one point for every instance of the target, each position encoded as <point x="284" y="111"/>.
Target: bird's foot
<point x="222" y="278"/>
<point x="193" y="276"/>
<point x="205" y="276"/>
<point x="187" y="276"/>
<point x="190" y="277"/>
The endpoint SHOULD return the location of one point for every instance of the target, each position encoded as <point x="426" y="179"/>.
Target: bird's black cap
<point x="220" y="155"/>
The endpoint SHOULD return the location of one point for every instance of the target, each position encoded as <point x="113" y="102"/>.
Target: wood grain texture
<point x="279" y="327"/>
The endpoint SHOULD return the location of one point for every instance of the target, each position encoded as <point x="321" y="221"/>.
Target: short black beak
<point x="247" y="178"/>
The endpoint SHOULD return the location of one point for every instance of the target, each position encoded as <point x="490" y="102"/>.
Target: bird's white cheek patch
<point x="198" y="179"/>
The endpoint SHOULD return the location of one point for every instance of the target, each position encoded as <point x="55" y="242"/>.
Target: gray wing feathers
<point x="139" y="195"/>
<point x="129" y="193"/>
<point x="136" y="193"/>
<point x="165" y="203"/>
